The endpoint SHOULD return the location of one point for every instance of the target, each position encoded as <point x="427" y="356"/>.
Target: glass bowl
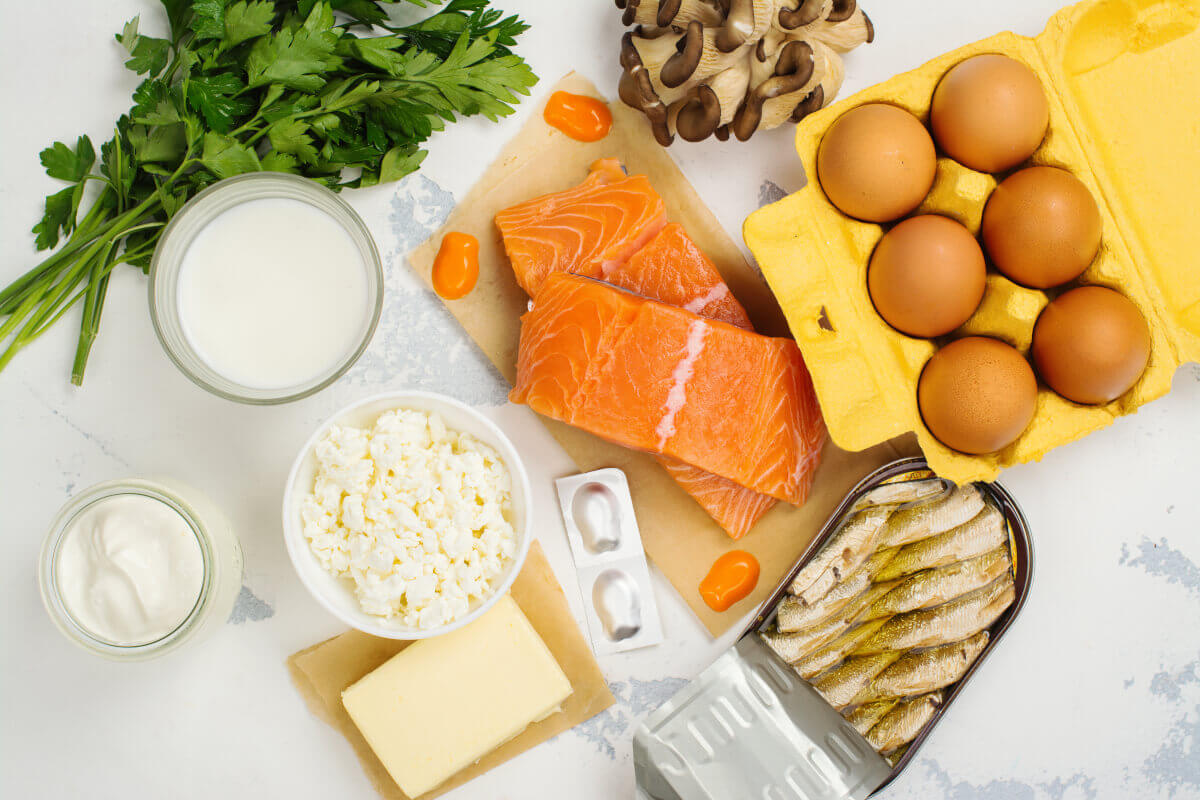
<point x="199" y="212"/>
<point x="220" y="583"/>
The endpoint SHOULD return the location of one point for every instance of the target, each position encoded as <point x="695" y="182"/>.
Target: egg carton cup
<point x="815" y="257"/>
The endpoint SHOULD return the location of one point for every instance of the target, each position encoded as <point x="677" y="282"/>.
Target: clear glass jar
<point x="219" y="549"/>
<point x="199" y="212"/>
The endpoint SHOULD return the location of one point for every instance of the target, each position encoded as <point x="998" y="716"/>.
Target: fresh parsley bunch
<point x="281" y="85"/>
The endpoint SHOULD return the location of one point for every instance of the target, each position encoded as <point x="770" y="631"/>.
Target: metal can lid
<point x="748" y="726"/>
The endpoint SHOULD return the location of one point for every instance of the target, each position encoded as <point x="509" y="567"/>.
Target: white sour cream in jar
<point x="273" y="293"/>
<point x="129" y="569"/>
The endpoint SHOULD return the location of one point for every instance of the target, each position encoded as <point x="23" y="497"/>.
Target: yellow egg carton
<point x="1122" y="78"/>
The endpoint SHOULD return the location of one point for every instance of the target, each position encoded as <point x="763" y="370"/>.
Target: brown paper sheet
<point x="681" y="539"/>
<point x="325" y="670"/>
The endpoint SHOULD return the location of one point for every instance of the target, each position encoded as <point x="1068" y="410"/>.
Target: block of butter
<point x="441" y="704"/>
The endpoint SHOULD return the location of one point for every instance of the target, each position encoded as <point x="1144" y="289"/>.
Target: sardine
<point x="829" y="655"/>
<point x="902" y="492"/>
<point x="794" y="614"/>
<point x="918" y="673"/>
<point x="864" y="717"/>
<point x="983" y="533"/>
<point x="842" y="684"/>
<point x="844" y="553"/>
<point x="894" y="757"/>
<point x="949" y="622"/>
<point x="792" y="647"/>
<point x="902" y="724"/>
<point x="918" y="522"/>
<point x="935" y="586"/>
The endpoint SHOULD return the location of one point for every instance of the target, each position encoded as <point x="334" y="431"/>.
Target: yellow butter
<point x="441" y="704"/>
<point x="1121" y="77"/>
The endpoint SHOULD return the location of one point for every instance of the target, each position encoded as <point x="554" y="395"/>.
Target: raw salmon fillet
<point x="732" y="506"/>
<point x="590" y="229"/>
<point x="556" y="233"/>
<point x="661" y="379"/>
<point x="673" y="270"/>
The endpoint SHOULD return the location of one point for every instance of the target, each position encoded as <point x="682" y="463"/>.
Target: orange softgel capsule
<point x="456" y="267"/>
<point x="583" y="118"/>
<point x="731" y="579"/>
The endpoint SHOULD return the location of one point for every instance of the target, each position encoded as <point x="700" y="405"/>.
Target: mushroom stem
<point x="842" y="36"/>
<point x="667" y="13"/>
<point x="793" y="68"/>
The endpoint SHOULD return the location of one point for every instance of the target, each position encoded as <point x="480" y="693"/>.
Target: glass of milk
<point x="132" y="569"/>
<point x="265" y="288"/>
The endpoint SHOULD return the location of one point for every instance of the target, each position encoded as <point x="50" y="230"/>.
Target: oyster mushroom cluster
<point x="698" y="68"/>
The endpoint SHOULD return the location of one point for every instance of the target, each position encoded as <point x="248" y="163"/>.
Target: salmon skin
<point x="661" y="379"/>
<point x="590" y="229"/>
<point x="553" y="234"/>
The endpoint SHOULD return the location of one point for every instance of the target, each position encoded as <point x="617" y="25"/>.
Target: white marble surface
<point x="1094" y="694"/>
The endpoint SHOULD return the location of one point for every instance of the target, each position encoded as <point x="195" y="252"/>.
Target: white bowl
<point x="337" y="594"/>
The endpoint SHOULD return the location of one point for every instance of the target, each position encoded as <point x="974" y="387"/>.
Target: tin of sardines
<point x="610" y="562"/>
<point x="856" y="655"/>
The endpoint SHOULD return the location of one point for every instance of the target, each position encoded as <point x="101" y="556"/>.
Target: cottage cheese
<point x="417" y="516"/>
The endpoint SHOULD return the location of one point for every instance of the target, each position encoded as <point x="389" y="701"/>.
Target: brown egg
<point x="989" y="113"/>
<point x="1091" y="345"/>
<point x="977" y="395"/>
<point x="1041" y="227"/>
<point x="927" y="276"/>
<point x="876" y="162"/>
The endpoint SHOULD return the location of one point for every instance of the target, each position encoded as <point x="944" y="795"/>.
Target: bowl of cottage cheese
<point x="407" y="514"/>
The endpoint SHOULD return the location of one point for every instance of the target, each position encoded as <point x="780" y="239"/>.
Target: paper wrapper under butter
<point x="324" y="670"/>
<point x="681" y="539"/>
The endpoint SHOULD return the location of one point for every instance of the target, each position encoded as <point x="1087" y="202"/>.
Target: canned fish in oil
<point x="790" y="742"/>
<point x="610" y="563"/>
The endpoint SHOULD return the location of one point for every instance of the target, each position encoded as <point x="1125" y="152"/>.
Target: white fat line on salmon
<point x="715" y="294"/>
<point x="682" y="373"/>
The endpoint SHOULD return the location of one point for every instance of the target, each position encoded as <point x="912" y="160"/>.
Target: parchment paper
<point x="324" y="670"/>
<point x="679" y="536"/>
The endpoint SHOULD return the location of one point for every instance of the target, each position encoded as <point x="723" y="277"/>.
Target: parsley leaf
<point x="225" y="156"/>
<point x="290" y="136"/>
<point x="208" y="19"/>
<point x="247" y="21"/>
<point x="154" y="104"/>
<point x="57" y="217"/>
<point x="400" y="161"/>
<point x="66" y="164"/>
<point x="294" y="58"/>
<point x="157" y="143"/>
<point x="176" y="14"/>
<point x="147" y="54"/>
<point x="216" y="98"/>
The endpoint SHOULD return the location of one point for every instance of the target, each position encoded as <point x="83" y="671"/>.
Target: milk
<point x="273" y="293"/>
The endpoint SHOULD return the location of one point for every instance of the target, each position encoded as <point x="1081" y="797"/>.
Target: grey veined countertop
<point x="1095" y="692"/>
